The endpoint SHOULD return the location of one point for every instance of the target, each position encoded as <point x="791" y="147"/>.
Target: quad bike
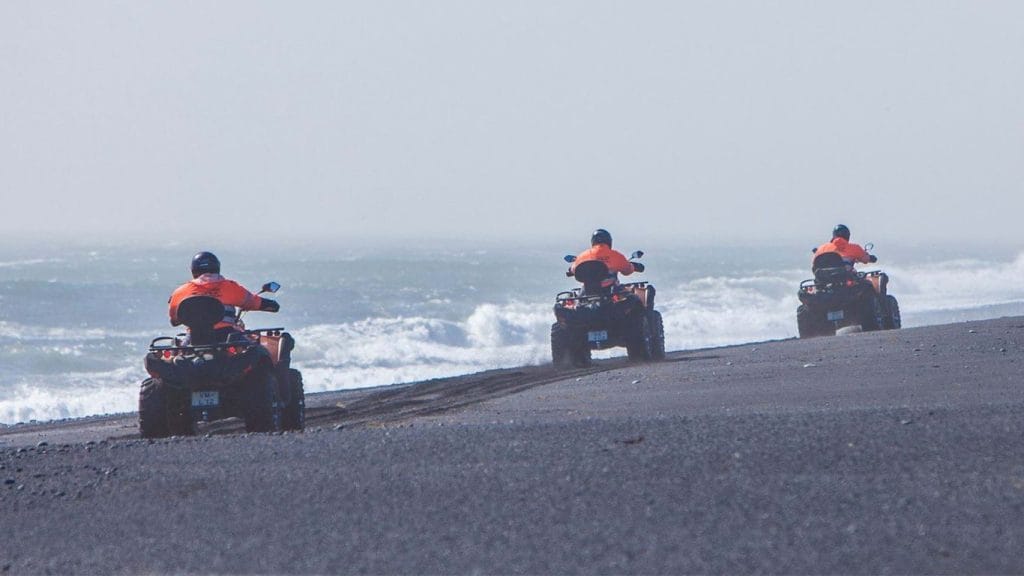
<point x="603" y="314"/>
<point x="839" y="296"/>
<point x="210" y="374"/>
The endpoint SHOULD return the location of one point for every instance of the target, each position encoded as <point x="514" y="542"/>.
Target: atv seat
<point x="830" y="268"/>
<point x="827" y="260"/>
<point x="593" y="274"/>
<point x="200" y="314"/>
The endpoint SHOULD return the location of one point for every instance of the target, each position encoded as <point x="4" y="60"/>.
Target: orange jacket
<point x="849" y="251"/>
<point x="616" y="262"/>
<point x="229" y="292"/>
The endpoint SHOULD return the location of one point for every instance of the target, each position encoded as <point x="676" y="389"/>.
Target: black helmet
<point x="841" y="231"/>
<point x="601" y="236"/>
<point x="205" y="263"/>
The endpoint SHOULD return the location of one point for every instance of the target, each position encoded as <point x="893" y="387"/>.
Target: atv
<point x="210" y="374"/>
<point x="838" y="297"/>
<point x="603" y="314"/>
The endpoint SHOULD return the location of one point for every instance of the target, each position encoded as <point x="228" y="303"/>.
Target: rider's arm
<point x="859" y="254"/>
<point x="580" y="258"/>
<point x="172" y="309"/>
<point x="619" y="263"/>
<point x="233" y="294"/>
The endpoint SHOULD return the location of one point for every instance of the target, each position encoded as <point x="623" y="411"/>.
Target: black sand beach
<point x="894" y="452"/>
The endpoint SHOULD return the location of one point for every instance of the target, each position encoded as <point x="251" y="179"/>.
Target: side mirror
<point x="570" y="258"/>
<point x="271" y="287"/>
<point x="637" y="254"/>
<point x="869" y="246"/>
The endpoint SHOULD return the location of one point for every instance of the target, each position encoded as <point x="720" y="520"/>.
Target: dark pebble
<point x="9" y="481"/>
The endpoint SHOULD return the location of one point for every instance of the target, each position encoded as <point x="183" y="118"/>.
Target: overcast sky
<point x="714" y="120"/>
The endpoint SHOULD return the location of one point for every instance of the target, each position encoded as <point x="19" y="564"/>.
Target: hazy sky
<point x="712" y="120"/>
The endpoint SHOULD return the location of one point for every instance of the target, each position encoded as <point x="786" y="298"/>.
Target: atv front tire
<point x="293" y="416"/>
<point x="657" y="335"/>
<point x="893" y="321"/>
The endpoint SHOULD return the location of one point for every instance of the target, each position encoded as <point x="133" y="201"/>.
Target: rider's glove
<point x="268" y="305"/>
<point x="638" y="267"/>
<point x="872" y="258"/>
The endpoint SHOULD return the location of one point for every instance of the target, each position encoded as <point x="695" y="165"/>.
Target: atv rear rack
<point x="244" y="343"/>
<point x="629" y="288"/>
<point x="811" y="285"/>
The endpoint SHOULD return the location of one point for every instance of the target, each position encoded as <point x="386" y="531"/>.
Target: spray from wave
<point x="80" y="394"/>
<point x="381" y="351"/>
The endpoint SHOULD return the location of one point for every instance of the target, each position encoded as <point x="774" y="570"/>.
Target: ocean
<point x="75" y="320"/>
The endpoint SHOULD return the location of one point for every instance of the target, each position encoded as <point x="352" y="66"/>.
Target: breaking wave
<point x="380" y="351"/>
<point x="53" y="372"/>
<point x="75" y="395"/>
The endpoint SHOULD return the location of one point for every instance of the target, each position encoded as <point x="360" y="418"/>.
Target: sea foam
<point x="56" y="371"/>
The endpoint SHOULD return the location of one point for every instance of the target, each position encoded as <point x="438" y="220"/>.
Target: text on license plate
<point x="836" y="315"/>
<point x="597" y="336"/>
<point x="206" y="398"/>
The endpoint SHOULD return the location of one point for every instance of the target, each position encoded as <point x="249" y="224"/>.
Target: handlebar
<point x="271" y="287"/>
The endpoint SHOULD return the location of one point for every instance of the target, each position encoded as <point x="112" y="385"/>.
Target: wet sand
<point x="894" y="452"/>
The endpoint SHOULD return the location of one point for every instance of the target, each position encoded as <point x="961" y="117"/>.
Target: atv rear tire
<point x="560" y="350"/>
<point x="893" y="321"/>
<point x="805" y="323"/>
<point x="580" y="355"/>
<point x="872" y="317"/>
<point x="262" y="410"/>
<point x="657" y="335"/>
<point x="640" y="346"/>
<point x="161" y="413"/>
<point x="293" y="416"/>
<point x="811" y="325"/>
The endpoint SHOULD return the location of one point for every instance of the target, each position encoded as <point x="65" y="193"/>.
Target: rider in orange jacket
<point x="840" y="244"/>
<point x="601" y="249"/>
<point x="207" y="281"/>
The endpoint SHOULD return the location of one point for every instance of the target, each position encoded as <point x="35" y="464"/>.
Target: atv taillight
<point x="569" y="303"/>
<point x="232" y="350"/>
<point x="167" y="353"/>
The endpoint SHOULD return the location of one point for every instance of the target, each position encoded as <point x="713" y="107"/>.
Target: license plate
<point x="206" y="398"/>
<point x="836" y="315"/>
<point x="597" y="336"/>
